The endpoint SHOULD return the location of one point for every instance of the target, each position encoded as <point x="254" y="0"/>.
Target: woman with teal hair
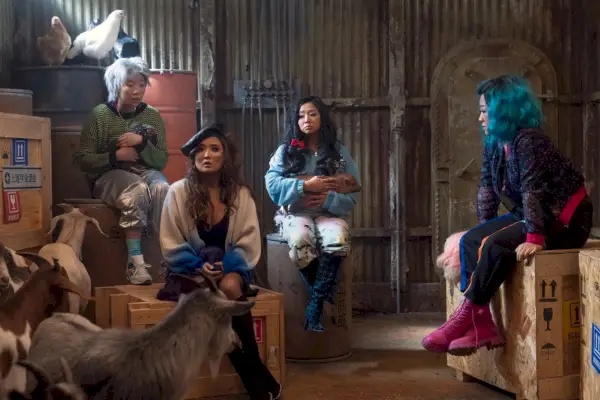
<point x="548" y="209"/>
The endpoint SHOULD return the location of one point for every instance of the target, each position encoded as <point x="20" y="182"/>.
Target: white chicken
<point x="54" y="45"/>
<point x="99" y="41"/>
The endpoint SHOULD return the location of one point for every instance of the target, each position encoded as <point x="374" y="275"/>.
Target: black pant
<point x="488" y="255"/>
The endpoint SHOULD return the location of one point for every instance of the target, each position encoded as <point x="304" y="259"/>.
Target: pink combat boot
<point x="483" y="332"/>
<point x="457" y="325"/>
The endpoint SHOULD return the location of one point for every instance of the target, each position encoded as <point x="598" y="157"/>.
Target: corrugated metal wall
<point x="339" y="50"/>
<point x="436" y="26"/>
<point x="6" y="40"/>
<point x="591" y="122"/>
<point x="165" y="29"/>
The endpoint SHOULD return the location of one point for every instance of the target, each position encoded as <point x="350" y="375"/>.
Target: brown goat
<point x="39" y="297"/>
<point x="14" y="271"/>
<point x="48" y="390"/>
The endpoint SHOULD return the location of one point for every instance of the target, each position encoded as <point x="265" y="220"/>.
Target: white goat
<point x="48" y="390"/>
<point x="67" y="250"/>
<point x="153" y="364"/>
<point x="40" y="296"/>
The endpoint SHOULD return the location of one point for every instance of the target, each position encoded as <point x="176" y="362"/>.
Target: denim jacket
<point x="285" y="190"/>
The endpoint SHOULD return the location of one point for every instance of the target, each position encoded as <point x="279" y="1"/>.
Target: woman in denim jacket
<point x="314" y="180"/>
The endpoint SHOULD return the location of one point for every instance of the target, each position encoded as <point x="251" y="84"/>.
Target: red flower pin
<point x="297" y="143"/>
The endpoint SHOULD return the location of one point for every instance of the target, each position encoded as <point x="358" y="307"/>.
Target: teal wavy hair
<point x="511" y="106"/>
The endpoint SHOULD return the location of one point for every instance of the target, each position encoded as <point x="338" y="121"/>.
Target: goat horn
<point x="41" y="262"/>
<point x="66" y="370"/>
<point x="67" y="207"/>
<point x="211" y="284"/>
<point x="41" y="375"/>
<point x="97" y="224"/>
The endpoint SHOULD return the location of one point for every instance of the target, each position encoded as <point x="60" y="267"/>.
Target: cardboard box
<point x="589" y="267"/>
<point x="26" y="181"/>
<point x="538" y="311"/>
<point x="136" y="307"/>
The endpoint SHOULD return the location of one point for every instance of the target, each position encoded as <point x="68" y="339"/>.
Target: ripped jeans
<point x="306" y="235"/>
<point x="140" y="198"/>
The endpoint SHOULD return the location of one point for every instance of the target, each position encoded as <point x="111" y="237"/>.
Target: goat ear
<point x="41" y="262"/>
<point x="232" y="307"/>
<point x="53" y="223"/>
<point x="17" y="259"/>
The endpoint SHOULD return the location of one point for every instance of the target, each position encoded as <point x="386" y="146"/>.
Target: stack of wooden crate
<point x="589" y="267"/>
<point x="26" y="181"/>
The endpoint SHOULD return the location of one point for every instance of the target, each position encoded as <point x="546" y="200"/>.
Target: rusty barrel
<point x="66" y="95"/>
<point x="300" y="345"/>
<point x="173" y="93"/>
<point x="16" y="101"/>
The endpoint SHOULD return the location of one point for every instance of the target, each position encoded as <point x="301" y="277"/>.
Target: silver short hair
<point x="121" y="71"/>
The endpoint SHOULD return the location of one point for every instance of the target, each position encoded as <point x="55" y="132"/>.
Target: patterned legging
<point x="308" y="235"/>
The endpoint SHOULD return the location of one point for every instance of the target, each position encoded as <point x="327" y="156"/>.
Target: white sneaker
<point x="138" y="274"/>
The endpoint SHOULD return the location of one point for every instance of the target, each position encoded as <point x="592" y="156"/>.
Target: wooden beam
<point x="335" y="103"/>
<point x="207" y="53"/>
<point x="397" y="153"/>
<point x="371" y="232"/>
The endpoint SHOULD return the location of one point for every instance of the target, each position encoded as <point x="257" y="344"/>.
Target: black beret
<point x="212" y="130"/>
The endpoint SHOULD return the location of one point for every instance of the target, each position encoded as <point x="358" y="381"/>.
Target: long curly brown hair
<point x="231" y="181"/>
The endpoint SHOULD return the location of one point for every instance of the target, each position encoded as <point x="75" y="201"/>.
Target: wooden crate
<point x="589" y="268"/>
<point x="536" y="310"/>
<point x="136" y="307"/>
<point x="104" y="257"/>
<point x="26" y="181"/>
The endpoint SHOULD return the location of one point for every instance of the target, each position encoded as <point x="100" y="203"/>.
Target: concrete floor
<point x="388" y="363"/>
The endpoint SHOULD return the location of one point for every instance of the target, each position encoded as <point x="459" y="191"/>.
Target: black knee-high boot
<point x="256" y="377"/>
<point x="323" y="287"/>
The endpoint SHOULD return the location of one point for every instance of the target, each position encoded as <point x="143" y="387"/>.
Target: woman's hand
<point x="213" y="272"/>
<point x="127" y="154"/>
<point x="320" y="184"/>
<point x="314" y="200"/>
<point x="129" y="139"/>
<point x="526" y="251"/>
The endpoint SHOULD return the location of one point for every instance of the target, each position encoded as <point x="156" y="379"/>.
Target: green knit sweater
<point x="97" y="148"/>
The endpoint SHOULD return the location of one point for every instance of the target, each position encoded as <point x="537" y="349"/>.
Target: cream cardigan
<point x="179" y="239"/>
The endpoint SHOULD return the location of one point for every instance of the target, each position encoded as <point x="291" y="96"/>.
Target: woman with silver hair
<point x="122" y="151"/>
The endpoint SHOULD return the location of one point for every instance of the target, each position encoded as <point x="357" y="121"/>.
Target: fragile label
<point x="12" y="207"/>
<point x="596" y="347"/>
<point x="572" y="320"/>
<point x="258" y="330"/>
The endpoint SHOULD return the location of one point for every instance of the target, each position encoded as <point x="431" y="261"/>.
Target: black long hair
<point x="328" y="150"/>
